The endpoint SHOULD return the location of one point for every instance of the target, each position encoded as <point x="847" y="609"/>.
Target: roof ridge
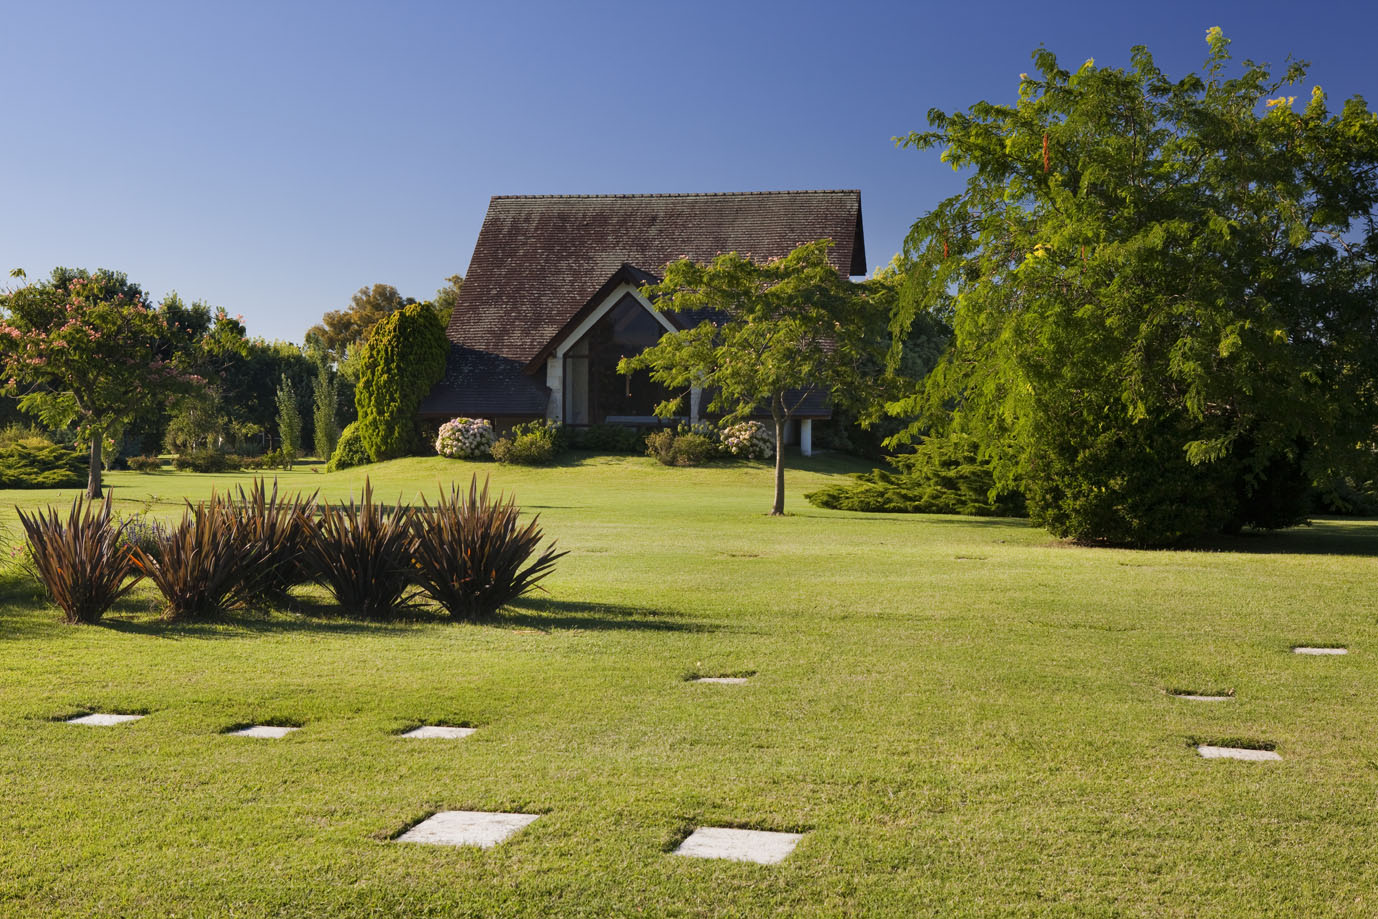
<point x="692" y="194"/>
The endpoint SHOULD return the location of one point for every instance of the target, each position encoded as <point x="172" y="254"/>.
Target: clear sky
<point x="273" y="157"/>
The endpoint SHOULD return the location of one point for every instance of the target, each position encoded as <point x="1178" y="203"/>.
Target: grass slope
<point x="966" y="718"/>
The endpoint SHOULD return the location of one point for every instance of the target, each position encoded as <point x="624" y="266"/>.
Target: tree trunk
<point x="776" y="410"/>
<point x="93" y="479"/>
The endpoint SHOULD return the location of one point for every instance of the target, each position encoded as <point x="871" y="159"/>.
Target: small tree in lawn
<point x="83" y="349"/>
<point x="785" y="329"/>
<point x="326" y="393"/>
<point x="289" y="418"/>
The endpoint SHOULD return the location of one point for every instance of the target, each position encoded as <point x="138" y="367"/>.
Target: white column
<point x="806" y="436"/>
<point x="695" y="394"/>
<point x="554" y="378"/>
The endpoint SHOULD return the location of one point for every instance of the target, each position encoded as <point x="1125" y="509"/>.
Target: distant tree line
<point x="87" y="360"/>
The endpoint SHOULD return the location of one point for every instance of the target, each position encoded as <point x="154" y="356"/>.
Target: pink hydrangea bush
<point x="749" y="440"/>
<point x="465" y="438"/>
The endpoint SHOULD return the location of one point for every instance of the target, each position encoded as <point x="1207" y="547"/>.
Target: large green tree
<point x="783" y="329"/>
<point x="1162" y="293"/>
<point x="446" y="297"/>
<point x="338" y="330"/>
<point x="402" y="360"/>
<point x="83" y="348"/>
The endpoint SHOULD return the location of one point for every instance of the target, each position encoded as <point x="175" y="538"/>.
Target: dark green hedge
<point x="38" y="465"/>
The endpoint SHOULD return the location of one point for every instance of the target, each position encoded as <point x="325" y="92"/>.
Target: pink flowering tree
<point x="83" y="348"/>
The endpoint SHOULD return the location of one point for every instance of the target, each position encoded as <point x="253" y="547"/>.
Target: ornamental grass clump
<point x="359" y="552"/>
<point x="198" y="564"/>
<point x="274" y="533"/>
<point x="465" y="438"/>
<point x="473" y="556"/>
<point x="83" y="563"/>
<point x="748" y="440"/>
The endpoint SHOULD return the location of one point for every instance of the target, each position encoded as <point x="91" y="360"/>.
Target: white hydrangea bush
<point x="749" y="439"/>
<point x="465" y="438"/>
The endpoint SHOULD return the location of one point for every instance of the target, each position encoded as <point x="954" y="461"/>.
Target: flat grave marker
<point x="266" y="731"/>
<point x="1303" y="649"/>
<point x="438" y="732"/>
<point x="760" y="846"/>
<point x="1200" y="697"/>
<point x="1254" y="756"/>
<point x="467" y="828"/>
<point x="102" y="719"/>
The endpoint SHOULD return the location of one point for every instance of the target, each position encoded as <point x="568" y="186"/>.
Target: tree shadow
<point x="1346" y="536"/>
<point x="1005" y="523"/>
<point x="240" y="623"/>
<point x="321" y="616"/>
<point x="1322" y="536"/>
<point x="25" y="626"/>
<point x="279" y="614"/>
<point x="548" y="614"/>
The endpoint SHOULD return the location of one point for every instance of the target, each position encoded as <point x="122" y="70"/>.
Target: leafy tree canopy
<point x="83" y="348"/>
<point x="782" y="329"/>
<point x="445" y="298"/>
<point x="863" y="428"/>
<point x="1162" y="293"/>
<point x="338" y="329"/>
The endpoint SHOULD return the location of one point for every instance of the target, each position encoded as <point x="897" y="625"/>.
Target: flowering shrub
<point x="465" y="438"/>
<point x="535" y="443"/>
<point x="681" y="448"/>
<point x="142" y="532"/>
<point x="749" y="439"/>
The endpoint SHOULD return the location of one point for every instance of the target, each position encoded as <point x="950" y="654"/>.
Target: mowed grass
<point x="965" y="718"/>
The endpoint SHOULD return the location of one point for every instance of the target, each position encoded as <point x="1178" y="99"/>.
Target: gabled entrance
<point x="595" y="393"/>
<point x="581" y="367"/>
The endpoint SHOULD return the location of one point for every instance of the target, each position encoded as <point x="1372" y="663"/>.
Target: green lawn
<point x="965" y="717"/>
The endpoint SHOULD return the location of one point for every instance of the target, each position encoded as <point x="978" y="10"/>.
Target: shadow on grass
<point x="238" y="624"/>
<point x="1004" y="523"/>
<point x="292" y="613"/>
<point x="1338" y="536"/>
<point x="1351" y="536"/>
<point x="545" y="614"/>
<point x="22" y="616"/>
<point x="1325" y="536"/>
<point x="22" y="625"/>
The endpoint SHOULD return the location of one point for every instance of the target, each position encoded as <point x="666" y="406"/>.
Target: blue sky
<point x="272" y="158"/>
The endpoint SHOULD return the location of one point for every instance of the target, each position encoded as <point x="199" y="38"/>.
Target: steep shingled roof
<point x="539" y="258"/>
